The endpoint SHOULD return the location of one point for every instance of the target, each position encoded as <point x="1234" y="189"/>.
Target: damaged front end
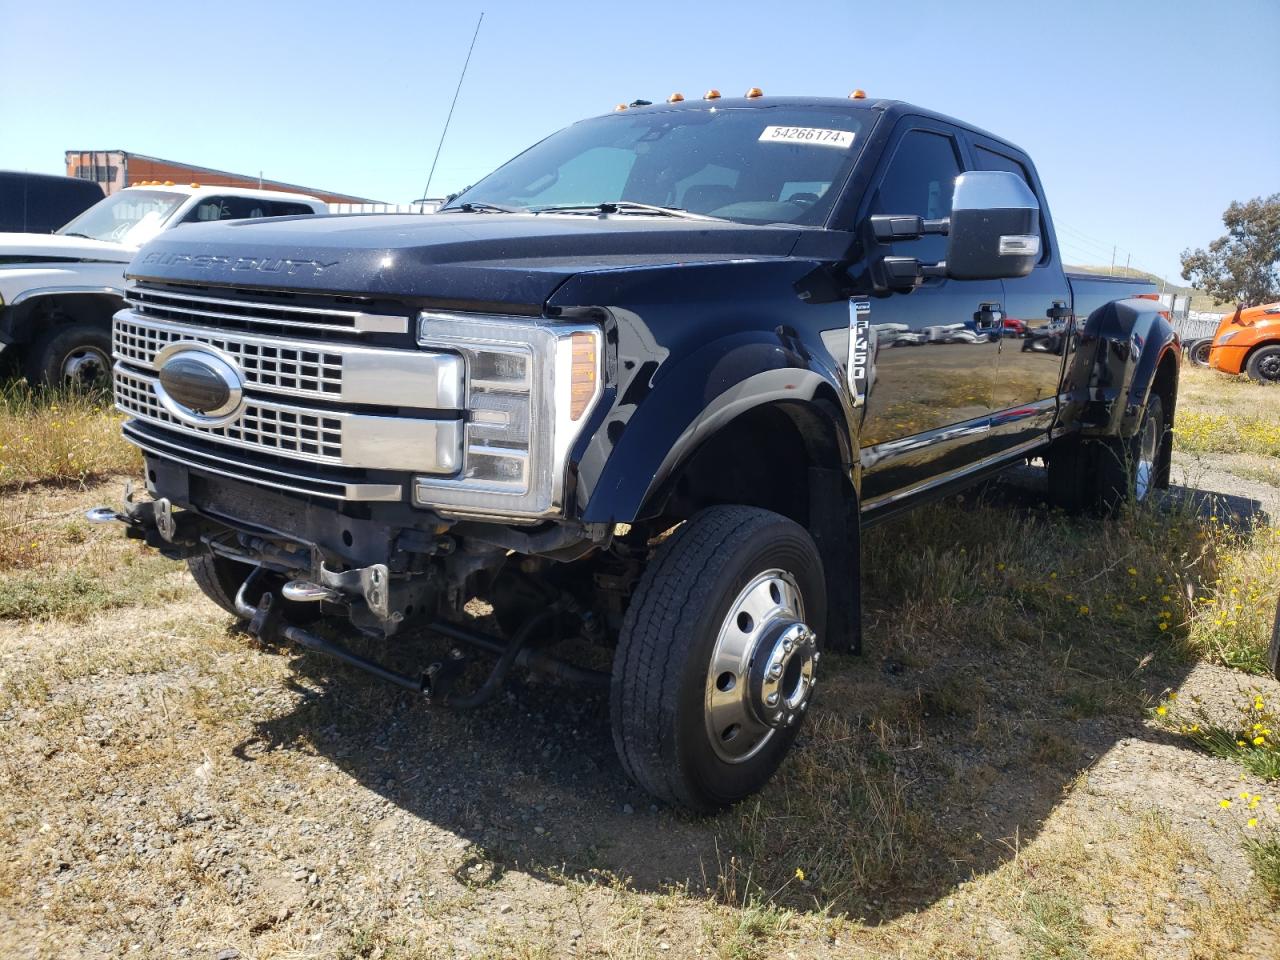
<point x="288" y="583"/>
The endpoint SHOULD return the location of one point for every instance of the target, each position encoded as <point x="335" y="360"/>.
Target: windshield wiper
<point x="83" y="235"/>
<point x="624" y="206"/>
<point x="479" y="206"/>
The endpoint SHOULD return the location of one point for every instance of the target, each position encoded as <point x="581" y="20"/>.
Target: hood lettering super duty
<point x="208" y="261"/>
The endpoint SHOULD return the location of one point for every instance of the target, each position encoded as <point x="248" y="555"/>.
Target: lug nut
<point x="771" y="699"/>
<point x="816" y="656"/>
<point x="787" y="644"/>
<point x="775" y="671"/>
<point x="791" y="719"/>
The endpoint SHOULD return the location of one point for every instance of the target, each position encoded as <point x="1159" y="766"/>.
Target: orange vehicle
<point x="1248" y="341"/>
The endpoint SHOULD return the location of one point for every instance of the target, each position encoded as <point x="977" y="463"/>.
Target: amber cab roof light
<point x="675" y="98"/>
<point x="711" y="94"/>
<point x="754" y="93"/>
<point x="858" y="95"/>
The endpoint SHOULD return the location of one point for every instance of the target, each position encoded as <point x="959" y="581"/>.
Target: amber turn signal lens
<point x="858" y="95"/>
<point x="711" y="95"/>
<point x="621" y="106"/>
<point x="754" y="92"/>
<point x="584" y="370"/>
<point x="675" y="98"/>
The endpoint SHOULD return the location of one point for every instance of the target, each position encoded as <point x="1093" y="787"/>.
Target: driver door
<point x="929" y="400"/>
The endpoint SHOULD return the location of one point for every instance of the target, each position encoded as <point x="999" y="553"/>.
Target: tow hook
<point x="139" y="515"/>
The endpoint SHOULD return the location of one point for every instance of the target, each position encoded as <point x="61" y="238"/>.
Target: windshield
<point x="781" y="164"/>
<point x="131" y="217"/>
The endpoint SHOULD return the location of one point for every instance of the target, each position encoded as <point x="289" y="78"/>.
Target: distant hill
<point x="1200" y="300"/>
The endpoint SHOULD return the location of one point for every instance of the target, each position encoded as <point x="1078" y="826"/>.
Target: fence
<point x="429" y="206"/>
<point x="1196" y="326"/>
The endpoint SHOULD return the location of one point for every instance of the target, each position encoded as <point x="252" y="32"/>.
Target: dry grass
<point x="980" y="784"/>
<point x="65" y="437"/>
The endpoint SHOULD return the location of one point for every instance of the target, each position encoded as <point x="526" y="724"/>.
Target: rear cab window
<point x="988" y="158"/>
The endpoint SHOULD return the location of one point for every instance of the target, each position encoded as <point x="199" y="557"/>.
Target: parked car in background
<point x="58" y="291"/>
<point x="42" y="202"/>
<point x="1248" y="342"/>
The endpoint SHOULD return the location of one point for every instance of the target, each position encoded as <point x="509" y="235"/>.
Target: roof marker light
<point x="168" y="183"/>
<point x="621" y="106"/>
<point x="675" y="98"/>
<point x="754" y="93"/>
<point x="712" y="94"/>
<point x="196" y="185"/>
<point x="858" y="95"/>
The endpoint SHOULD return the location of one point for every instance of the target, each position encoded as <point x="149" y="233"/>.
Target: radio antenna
<point x="461" y="77"/>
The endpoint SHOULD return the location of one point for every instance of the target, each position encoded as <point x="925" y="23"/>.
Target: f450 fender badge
<point x="859" y="349"/>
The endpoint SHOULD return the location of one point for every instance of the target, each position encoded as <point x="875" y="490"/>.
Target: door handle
<point x="989" y="317"/>
<point x="1059" y="311"/>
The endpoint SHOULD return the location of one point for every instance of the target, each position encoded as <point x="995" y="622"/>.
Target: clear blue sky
<point x="1145" y="117"/>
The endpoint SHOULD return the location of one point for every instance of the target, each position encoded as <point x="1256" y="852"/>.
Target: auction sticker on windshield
<point x="818" y="136"/>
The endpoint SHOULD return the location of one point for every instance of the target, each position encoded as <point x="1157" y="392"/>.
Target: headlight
<point x="529" y="387"/>
<point x="1226" y="336"/>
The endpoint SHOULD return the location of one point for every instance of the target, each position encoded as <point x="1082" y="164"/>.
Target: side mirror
<point x="995" y="227"/>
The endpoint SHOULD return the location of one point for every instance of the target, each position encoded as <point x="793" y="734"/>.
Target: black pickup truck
<point x="645" y="385"/>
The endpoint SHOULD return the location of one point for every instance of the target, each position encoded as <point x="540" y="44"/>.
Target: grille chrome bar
<point x="304" y="433"/>
<point x="263" y="476"/>
<point x="305" y="368"/>
<point x="170" y="305"/>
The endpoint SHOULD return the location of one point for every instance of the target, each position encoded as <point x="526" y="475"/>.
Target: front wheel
<point x="76" y="355"/>
<point x="715" y="666"/>
<point x="1264" y="365"/>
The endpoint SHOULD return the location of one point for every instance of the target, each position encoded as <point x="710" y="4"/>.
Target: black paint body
<point x="708" y="321"/>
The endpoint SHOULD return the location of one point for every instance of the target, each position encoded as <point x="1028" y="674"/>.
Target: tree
<point x="1243" y="266"/>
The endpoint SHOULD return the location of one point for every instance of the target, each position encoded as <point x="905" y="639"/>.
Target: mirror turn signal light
<point x="711" y="95"/>
<point x="675" y="98"/>
<point x="858" y="95"/>
<point x="754" y="93"/>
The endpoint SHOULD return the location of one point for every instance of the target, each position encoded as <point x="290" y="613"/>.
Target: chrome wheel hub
<point x="1145" y="474"/>
<point x="761" y="675"/>
<point x="85" y="367"/>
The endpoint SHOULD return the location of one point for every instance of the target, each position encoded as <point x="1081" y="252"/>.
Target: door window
<point x="919" y="181"/>
<point x="990" y="160"/>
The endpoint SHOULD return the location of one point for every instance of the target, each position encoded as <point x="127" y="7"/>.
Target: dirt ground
<point x="171" y="789"/>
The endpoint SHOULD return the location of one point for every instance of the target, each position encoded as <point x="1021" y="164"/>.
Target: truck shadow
<point x="923" y="765"/>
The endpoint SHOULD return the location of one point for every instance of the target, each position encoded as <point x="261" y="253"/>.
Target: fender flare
<point x="1131" y="339"/>
<point x="692" y="402"/>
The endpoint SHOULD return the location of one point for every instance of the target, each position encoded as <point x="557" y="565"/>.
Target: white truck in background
<point x="59" y="291"/>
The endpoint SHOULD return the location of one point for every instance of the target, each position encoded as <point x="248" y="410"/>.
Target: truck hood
<point x="54" y="247"/>
<point x="460" y="259"/>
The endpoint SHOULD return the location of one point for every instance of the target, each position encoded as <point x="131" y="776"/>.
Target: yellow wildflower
<point x="799" y="874"/>
<point x="1224" y="804"/>
<point x="1161" y="711"/>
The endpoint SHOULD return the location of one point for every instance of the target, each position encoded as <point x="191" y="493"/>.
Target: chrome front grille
<point x="296" y="389"/>
<point x="274" y="365"/>
<point x="262" y="426"/>
<point x="199" y="307"/>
